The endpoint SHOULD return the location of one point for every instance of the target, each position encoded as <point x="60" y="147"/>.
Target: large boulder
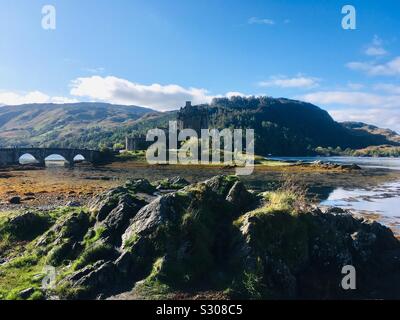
<point x="104" y="203"/>
<point x="68" y="230"/>
<point x="174" y="183"/>
<point x="221" y="184"/>
<point x="239" y="197"/>
<point x="117" y="221"/>
<point x="140" y="186"/>
<point x="302" y="255"/>
<point x="26" y="226"/>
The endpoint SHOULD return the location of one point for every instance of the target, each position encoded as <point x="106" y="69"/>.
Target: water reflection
<point x="369" y="162"/>
<point x="383" y="200"/>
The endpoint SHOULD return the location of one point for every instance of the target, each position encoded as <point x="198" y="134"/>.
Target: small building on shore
<point x="136" y="142"/>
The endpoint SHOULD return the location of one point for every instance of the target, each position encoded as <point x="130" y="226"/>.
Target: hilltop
<point x="365" y="129"/>
<point x="287" y="127"/>
<point x="71" y="124"/>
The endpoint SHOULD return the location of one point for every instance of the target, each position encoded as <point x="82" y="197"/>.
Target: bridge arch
<point x="79" y="158"/>
<point x="27" y="158"/>
<point x="56" y="157"/>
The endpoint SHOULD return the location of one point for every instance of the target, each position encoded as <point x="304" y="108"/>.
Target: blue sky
<point x="160" y="53"/>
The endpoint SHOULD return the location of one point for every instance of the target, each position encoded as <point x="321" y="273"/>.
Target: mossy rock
<point x="188" y="228"/>
<point x="174" y="183"/>
<point x="25" y="226"/>
<point x="95" y="252"/>
<point x="277" y="234"/>
<point x="140" y="185"/>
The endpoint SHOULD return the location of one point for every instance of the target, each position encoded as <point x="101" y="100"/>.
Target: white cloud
<point x="391" y="68"/>
<point x="16" y="98"/>
<point x="381" y="110"/>
<point x="388" y="87"/>
<point x="376" y="48"/>
<point x="235" y="94"/>
<point x="295" y="82"/>
<point x="375" y="51"/>
<point x="120" y="91"/>
<point x="255" y="20"/>
<point x="352" y="98"/>
<point x="355" y="86"/>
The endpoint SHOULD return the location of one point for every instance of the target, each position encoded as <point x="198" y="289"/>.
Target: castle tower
<point x="193" y="117"/>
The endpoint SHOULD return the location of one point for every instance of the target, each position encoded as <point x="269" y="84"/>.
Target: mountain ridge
<point x="284" y="126"/>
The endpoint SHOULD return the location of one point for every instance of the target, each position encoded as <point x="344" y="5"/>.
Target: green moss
<point x="200" y="257"/>
<point x="64" y="211"/>
<point x="13" y="230"/>
<point x="27" y="260"/>
<point x="20" y="274"/>
<point x="153" y="288"/>
<point x="37" y="295"/>
<point x="67" y="292"/>
<point x="131" y="241"/>
<point x="231" y="178"/>
<point x="24" y="261"/>
<point x="58" y="254"/>
<point x="96" y="252"/>
<point x="94" y="235"/>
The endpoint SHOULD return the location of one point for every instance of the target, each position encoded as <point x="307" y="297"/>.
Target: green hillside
<point x="283" y="127"/>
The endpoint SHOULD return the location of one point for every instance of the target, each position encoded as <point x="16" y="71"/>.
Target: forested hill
<point x="363" y="128"/>
<point x="282" y="126"/>
<point x="286" y="127"/>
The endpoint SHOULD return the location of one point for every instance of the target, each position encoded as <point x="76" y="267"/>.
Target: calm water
<point x="381" y="198"/>
<point x="366" y="162"/>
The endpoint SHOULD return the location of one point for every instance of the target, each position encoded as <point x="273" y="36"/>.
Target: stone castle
<point x="189" y="117"/>
<point x="193" y="117"/>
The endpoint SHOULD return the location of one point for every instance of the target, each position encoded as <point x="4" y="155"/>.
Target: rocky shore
<point x="213" y="239"/>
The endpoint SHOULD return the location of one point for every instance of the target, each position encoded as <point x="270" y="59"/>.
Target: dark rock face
<point x="307" y="254"/>
<point x="15" y="200"/>
<point x="27" y="225"/>
<point x="61" y="241"/>
<point x="174" y="183"/>
<point x="117" y="221"/>
<point x="239" y="196"/>
<point x="205" y="236"/>
<point x="140" y="186"/>
<point x="105" y="202"/>
<point x="25" y="294"/>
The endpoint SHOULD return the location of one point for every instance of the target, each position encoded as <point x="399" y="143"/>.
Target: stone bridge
<point x="11" y="156"/>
